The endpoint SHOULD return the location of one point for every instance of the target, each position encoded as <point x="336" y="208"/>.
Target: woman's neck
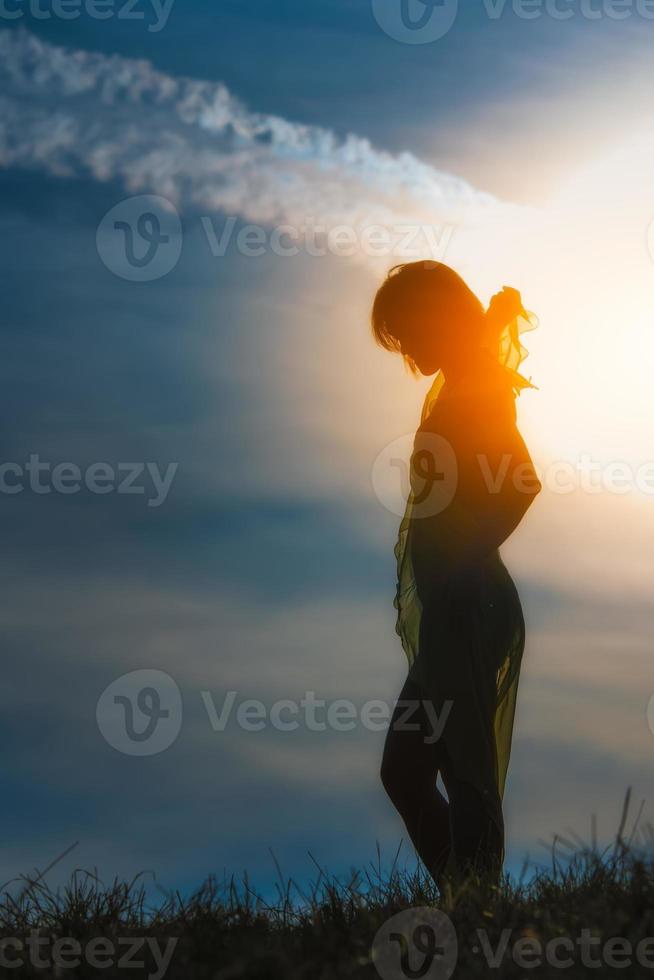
<point x="466" y="372"/>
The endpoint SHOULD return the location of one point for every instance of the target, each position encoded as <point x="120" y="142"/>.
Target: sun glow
<point x="582" y="263"/>
<point x="587" y="268"/>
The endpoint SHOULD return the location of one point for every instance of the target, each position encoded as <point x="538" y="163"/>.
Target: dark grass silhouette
<point x="226" y="931"/>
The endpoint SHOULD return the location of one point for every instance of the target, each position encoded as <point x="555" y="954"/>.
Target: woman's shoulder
<point x="490" y="404"/>
<point x="494" y="400"/>
<point x="497" y="385"/>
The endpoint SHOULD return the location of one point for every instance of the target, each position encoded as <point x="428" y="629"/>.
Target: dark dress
<point x="459" y="614"/>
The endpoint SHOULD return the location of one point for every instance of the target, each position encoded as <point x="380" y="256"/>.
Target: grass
<point x="225" y="931"/>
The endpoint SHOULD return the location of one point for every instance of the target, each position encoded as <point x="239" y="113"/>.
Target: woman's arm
<point x="496" y="484"/>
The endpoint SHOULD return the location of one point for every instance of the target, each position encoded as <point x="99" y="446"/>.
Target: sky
<point x="238" y="388"/>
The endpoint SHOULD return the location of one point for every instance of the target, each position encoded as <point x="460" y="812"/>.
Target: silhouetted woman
<point x="459" y="615"/>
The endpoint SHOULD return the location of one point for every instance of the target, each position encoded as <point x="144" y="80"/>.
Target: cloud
<point x="80" y="113"/>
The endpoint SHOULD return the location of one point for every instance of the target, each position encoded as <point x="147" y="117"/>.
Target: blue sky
<point x="268" y="568"/>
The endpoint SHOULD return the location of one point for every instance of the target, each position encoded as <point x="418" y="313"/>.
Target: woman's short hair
<point x="415" y="284"/>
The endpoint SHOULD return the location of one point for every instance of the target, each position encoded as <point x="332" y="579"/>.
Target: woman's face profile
<point x="422" y="352"/>
<point x="436" y="331"/>
<point x="430" y="315"/>
<point x="421" y="336"/>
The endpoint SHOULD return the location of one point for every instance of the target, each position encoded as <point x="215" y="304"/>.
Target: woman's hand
<point x="505" y="306"/>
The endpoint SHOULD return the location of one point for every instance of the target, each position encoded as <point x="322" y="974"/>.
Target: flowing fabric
<point x="464" y="636"/>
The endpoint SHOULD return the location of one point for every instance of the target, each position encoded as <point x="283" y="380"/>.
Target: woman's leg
<point x="466" y="753"/>
<point x="408" y="772"/>
<point x="477" y="827"/>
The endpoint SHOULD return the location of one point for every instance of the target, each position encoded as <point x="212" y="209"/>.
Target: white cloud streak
<point x="74" y="113"/>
